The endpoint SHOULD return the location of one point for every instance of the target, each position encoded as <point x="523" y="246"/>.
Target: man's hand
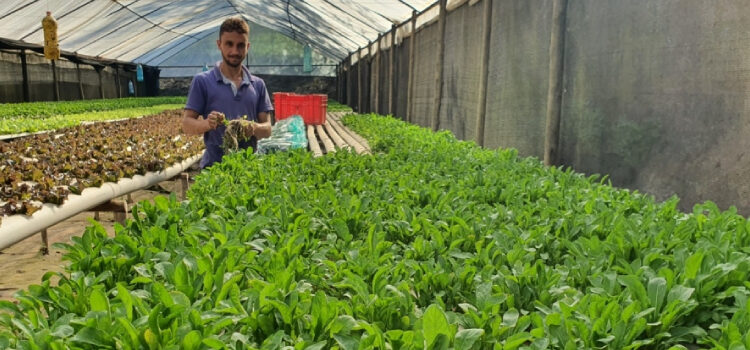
<point x="262" y="129"/>
<point x="213" y="120"/>
<point x="248" y="129"/>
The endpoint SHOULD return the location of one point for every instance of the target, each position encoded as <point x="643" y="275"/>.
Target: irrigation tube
<point x="16" y="228"/>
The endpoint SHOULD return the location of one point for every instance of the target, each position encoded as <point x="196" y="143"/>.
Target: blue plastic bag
<point x="286" y="134"/>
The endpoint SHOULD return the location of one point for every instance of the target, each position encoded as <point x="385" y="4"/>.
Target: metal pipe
<point x="19" y="227"/>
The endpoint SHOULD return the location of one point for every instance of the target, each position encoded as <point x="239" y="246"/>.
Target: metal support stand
<point x="185" y="184"/>
<point x="45" y="243"/>
<point x="119" y="208"/>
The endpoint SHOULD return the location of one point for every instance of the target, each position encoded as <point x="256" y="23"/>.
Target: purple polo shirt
<point x="209" y="92"/>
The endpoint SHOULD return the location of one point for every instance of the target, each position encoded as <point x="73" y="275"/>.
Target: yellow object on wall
<point x="51" y="49"/>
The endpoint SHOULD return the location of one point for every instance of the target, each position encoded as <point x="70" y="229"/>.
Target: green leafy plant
<point x="45" y="168"/>
<point x="48" y="109"/>
<point x="32" y="124"/>
<point x="430" y="243"/>
<point x="335" y="106"/>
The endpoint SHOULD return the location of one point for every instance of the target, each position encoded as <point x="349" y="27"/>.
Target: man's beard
<point x="227" y="61"/>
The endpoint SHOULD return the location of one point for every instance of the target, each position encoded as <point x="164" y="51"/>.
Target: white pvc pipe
<point x="16" y="228"/>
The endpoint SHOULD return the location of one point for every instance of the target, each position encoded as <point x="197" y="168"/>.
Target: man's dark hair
<point x="234" y="24"/>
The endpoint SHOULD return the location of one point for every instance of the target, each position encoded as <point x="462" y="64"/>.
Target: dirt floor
<point x="23" y="263"/>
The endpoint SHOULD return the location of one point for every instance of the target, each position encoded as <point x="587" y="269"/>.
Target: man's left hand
<point x="248" y="129"/>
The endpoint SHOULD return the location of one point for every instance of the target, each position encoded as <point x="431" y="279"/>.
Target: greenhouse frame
<point x="410" y="174"/>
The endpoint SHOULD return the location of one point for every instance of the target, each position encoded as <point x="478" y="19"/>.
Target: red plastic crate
<point x="312" y="108"/>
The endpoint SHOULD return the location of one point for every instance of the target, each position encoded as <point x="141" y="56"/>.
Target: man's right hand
<point x="214" y="119"/>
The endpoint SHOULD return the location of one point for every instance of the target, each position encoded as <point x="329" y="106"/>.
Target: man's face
<point x="233" y="47"/>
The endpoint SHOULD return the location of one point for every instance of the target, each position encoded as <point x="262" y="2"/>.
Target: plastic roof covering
<point x="150" y="31"/>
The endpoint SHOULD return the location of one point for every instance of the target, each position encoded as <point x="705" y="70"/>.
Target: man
<point x="227" y="91"/>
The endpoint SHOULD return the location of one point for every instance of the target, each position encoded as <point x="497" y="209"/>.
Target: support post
<point x="342" y="80"/>
<point x="554" y="94"/>
<point x="412" y="73"/>
<point x="101" y="83"/>
<point x="351" y="86"/>
<point x="25" y="75"/>
<point x="55" y="82"/>
<point x="80" y="81"/>
<point x="368" y="78"/>
<point x="347" y="79"/>
<point x="117" y="81"/>
<point x="391" y="78"/>
<point x="338" y="82"/>
<point x="360" y="108"/>
<point x="185" y="183"/>
<point x="483" y="80"/>
<point x="439" y="66"/>
<point x="45" y="243"/>
<point x="376" y="75"/>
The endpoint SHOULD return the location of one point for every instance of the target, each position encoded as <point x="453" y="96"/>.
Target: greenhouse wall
<point x="11" y="86"/>
<point x="402" y="78"/>
<point x="425" y="75"/>
<point x="274" y="83"/>
<point x="75" y="80"/>
<point x="461" y="72"/>
<point x="518" y="78"/>
<point x="657" y="96"/>
<point x="653" y="93"/>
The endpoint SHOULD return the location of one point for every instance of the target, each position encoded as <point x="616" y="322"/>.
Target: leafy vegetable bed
<point x="31" y="124"/>
<point x="45" y="168"/>
<point x="433" y="243"/>
<point x="335" y="106"/>
<point x="47" y="109"/>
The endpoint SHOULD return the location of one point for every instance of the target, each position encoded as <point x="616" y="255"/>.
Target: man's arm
<point x="263" y="128"/>
<point x="192" y="125"/>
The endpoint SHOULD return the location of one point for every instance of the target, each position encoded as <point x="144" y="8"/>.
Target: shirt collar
<point x="247" y="78"/>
